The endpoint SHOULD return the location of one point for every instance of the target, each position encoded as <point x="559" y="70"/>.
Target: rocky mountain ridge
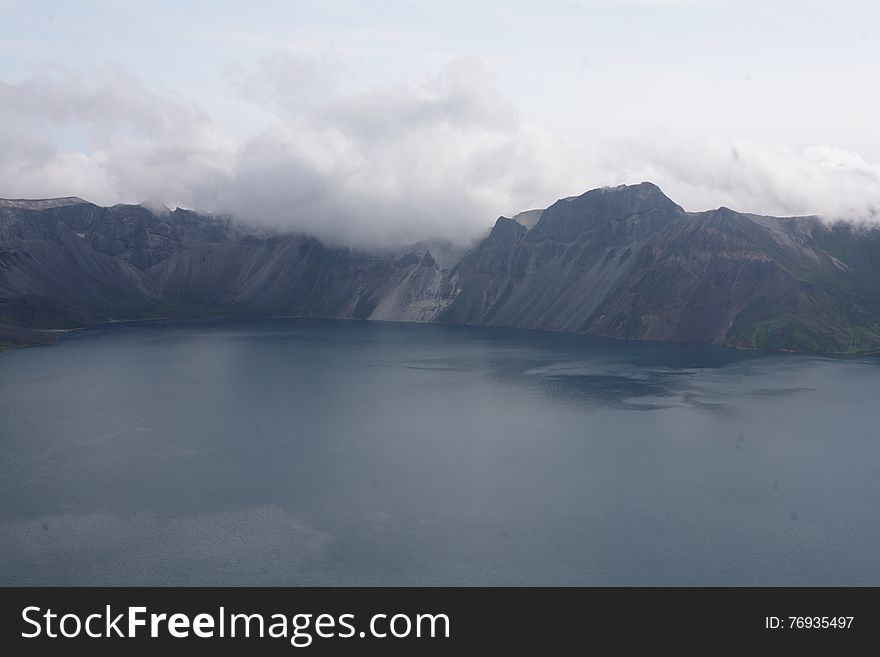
<point x="624" y="262"/>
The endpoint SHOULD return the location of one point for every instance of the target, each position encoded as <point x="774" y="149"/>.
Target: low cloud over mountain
<point x="436" y="157"/>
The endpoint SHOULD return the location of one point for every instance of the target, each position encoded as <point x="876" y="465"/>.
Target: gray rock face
<point x="65" y="265"/>
<point x="624" y="262"/>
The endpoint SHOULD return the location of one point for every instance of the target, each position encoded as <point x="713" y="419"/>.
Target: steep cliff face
<point x="629" y="263"/>
<point x="556" y="275"/>
<point x="74" y="264"/>
<point x="624" y="262"/>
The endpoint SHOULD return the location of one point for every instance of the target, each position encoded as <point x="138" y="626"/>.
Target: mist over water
<point x="294" y="452"/>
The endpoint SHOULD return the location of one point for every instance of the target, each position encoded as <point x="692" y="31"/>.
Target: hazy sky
<point x="386" y="121"/>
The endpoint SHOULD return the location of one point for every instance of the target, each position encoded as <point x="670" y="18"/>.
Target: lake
<point x="313" y="452"/>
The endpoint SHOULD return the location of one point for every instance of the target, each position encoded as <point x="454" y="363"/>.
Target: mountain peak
<point x="506" y="230"/>
<point x="639" y="197"/>
<point x="621" y="201"/>
<point x="568" y="218"/>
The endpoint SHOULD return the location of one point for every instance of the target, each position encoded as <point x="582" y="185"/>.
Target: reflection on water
<point x="321" y="452"/>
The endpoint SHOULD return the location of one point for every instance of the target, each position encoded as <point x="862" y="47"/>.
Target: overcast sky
<point x="387" y="121"/>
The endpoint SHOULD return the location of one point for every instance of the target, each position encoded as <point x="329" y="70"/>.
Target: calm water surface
<point x="297" y="452"/>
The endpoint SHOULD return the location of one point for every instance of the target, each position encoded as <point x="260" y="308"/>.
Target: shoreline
<point x="48" y="337"/>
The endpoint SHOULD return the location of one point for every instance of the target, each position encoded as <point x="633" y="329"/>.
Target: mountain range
<point x="623" y="262"/>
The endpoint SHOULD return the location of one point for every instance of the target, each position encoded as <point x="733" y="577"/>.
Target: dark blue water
<point x="317" y="452"/>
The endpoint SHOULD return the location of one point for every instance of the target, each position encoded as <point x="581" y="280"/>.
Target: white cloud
<point x="132" y="142"/>
<point x="288" y="81"/>
<point x="437" y="157"/>
<point x="756" y="177"/>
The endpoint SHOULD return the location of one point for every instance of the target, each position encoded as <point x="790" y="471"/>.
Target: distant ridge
<point x="623" y="262"/>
